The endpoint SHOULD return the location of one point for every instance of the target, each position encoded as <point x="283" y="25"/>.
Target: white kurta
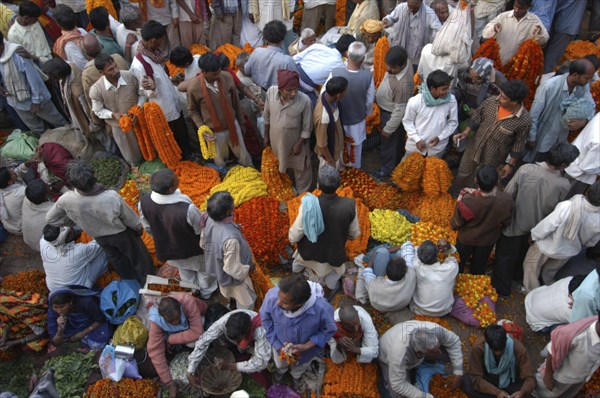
<point x="549" y="305"/>
<point x="369" y="349"/>
<point x="586" y="167"/>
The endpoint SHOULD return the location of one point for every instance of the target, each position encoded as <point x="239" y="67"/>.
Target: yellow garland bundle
<point x="389" y="226"/>
<point x="578" y="49"/>
<point x="199" y="49"/>
<point x="279" y="185"/>
<point x="91" y="4"/>
<point x="491" y="50"/>
<point x="142" y="133"/>
<point x="161" y="135"/>
<point x="243" y="183"/>
<point x="174" y="70"/>
<point x="595" y="90"/>
<point x="350" y="379"/>
<point x="436" y="209"/>
<point x="437" y="176"/>
<point x="381" y="48"/>
<point x="131" y="194"/>
<point x="196" y="180"/>
<point x="528" y="65"/>
<point x="407" y="175"/>
<point x="207" y="147"/>
<point x="261" y="283"/>
<point x="422" y="231"/>
<point x="373" y="121"/>
<point x="340" y="13"/>
<point x="231" y="52"/>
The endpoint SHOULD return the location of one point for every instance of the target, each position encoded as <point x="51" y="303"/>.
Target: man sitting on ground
<point x="355" y="334"/>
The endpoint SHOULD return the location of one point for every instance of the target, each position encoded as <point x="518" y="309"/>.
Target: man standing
<point x="328" y="126"/>
<point x="90" y="74"/>
<point x="149" y="69"/>
<point x="392" y="95"/>
<point x="192" y="15"/>
<point x="562" y="104"/>
<point x="572" y="226"/>
<point x="213" y="101"/>
<point x="25" y="90"/>
<point x="174" y="222"/>
<point x="112" y="96"/>
<point x="166" y="13"/>
<point x="323" y="226"/>
<point x="228" y="256"/>
<point x="105" y="216"/>
<point x="299" y="322"/>
<point x="68" y="45"/>
<point x="357" y="104"/>
<point x="584" y="170"/>
<point x="288" y="127"/>
<point x="226" y="22"/>
<point x="79" y="11"/>
<point x="431" y="116"/>
<point x="99" y="19"/>
<point x="314" y="10"/>
<point x="128" y="34"/>
<point x="355" y="334"/>
<point x="264" y="63"/>
<point x="511" y="28"/>
<point x="496" y="129"/>
<point x="28" y="32"/>
<point x="536" y="190"/>
<point x="413" y="25"/>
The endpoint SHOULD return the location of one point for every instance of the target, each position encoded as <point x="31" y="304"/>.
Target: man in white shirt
<point x="12" y="194"/>
<point x="68" y="263"/>
<point x="68" y="45"/>
<point x="192" y="17"/>
<point x="28" y="32"/>
<point x="166" y="13"/>
<point x="586" y="168"/>
<point x="572" y="226"/>
<point x="79" y="8"/>
<point x="355" y="334"/>
<point x="35" y="206"/>
<point x="513" y="27"/>
<point x="431" y="116"/>
<point x="434" y="294"/>
<point x="154" y="82"/>
<point x="128" y="34"/>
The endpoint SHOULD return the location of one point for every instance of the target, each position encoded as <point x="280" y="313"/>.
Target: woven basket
<point x="219" y="382"/>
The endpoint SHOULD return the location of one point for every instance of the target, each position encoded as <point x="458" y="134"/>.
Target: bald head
<point x="581" y="72"/>
<point x="348" y="314"/>
<point x="91" y="46"/>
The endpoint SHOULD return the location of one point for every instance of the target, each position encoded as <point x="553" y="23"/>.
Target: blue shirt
<point x="586" y="298"/>
<point x="264" y="63"/>
<point x="316" y="324"/>
<point x="568" y="14"/>
<point x="31" y="77"/>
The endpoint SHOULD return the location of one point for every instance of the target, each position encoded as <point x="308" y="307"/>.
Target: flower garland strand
<point x="408" y="174"/>
<point x="279" y="185"/>
<point x="199" y="49"/>
<point x="381" y="48"/>
<point x="208" y="147"/>
<point x="436" y="209"/>
<point x="373" y="120"/>
<point x="350" y="379"/>
<point x="161" y="134"/>
<point x="243" y="183"/>
<point x="231" y="52"/>
<point x="142" y="134"/>
<point x="528" y="65"/>
<point x="126" y="388"/>
<point x="26" y="282"/>
<point x="261" y="283"/>
<point x="196" y="180"/>
<point x="437" y="177"/>
<point x="389" y="226"/>
<point x="490" y="49"/>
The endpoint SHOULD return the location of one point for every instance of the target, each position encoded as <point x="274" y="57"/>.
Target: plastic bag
<point x="131" y="332"/>
<point x="119" y="300"/>
<point x="77" y="144"/>
<point x="20" y="145"/>
<point x="150" y="166"/>
<point x="281" y="391"/>
<point x="465" y="314"/>
<point x="454" y="38"/>
<point x="110" y="366"/>
<point x="143" y="312"/>
<point x="348" y="286"/>
<point x="46" y="386"/>
<point x="131" y="369"/>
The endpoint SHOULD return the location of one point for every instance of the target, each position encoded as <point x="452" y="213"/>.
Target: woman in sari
<point x="23" y="320"/>
<point x="74" y="315"/>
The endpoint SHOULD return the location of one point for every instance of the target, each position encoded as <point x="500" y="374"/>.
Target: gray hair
<point x="329" y="179"/>
<point x="129" y="14"/>
<point x="357" y="51"/>
<point x="306" y="33"/>
<point x="219" y="205"/>
<point x="428" y="252"/>
<point x="80" y="175"/>
<point x="242" y="58"/>
<point x="424" y="340"/>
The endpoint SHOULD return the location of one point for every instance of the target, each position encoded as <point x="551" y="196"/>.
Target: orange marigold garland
<point x="528" y="65"/>
<point x="437" y="176"/>
<point x="472" y="289"/>
<point x="248" y="48"/>
<point x="27" y="281"/>
<point x="149" y="243"/>
<point x="440" y="321"/>
<point x="265" y="228"/>
<point x="91" y="4"/>
<point x="84" y="238"/>
<point x="407" y="175"/>
<point x="374" y="195"/>
<point x="126" y="388"/>
<point x="279" y="185"/>
<point x="298" y="15"/>
<point x="359" y="245"/>
<point x="373" y="121"/>
<point x="107" y="278"/>
<point x="595" y="90"/>
<point x="199" y="49"/>
<point x="161" y="135"/>
<point x="491" y="50"/>
<point x="142" y="133"/>
<point x="196" y="180"/>
<point x="437" y="209"/>
<point x="231" y="52"/>
<point x="578" y="49"/>
<point x="441" y="387"/>
<point x="130" y="194"/>
<point x="381" y="48"/>
<point x="261" y="283"/>
<point x="340" y="13"/>
<point x="174" y="70"/>
<point x="350" y="379"/>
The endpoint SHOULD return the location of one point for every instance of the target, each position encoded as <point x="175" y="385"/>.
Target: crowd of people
<point x="524" y="190"/>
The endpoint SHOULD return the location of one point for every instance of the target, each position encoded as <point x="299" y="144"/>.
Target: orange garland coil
<point x="248" y="48"/>
<point x="407" y="175"/>
<point x="279" y="185"/>
<point x="261" y="283"/>
<point x="196" y="180"/>
<point x="436" y="209"/>
<point x="350" y="379"/>
<point x="142" y="133"/>
<point x="437" y="177"/>
<point x="231" y="52"/>
<point x="595" y="90"/>
<point x="374" y="195"/>
<point x="126" y="388"/>
<point x="579" y="49"/>
<point x="149" y="243"/>
<point x="381" y="48"/>
<point x="174" y="70"/>
<point x="491" y="50"/>
<point x="161" y="135"/>
<point x="528" y="65"/>
<point x="373" y="121"/>
<point x="340" y="13"/>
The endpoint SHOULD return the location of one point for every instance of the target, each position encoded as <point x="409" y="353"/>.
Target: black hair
<point x="181" y="57"/>
<point x="29" y="9"/>
<point x="4" y="176"/>
<point x="562" y="153"/>
<point x="57" y="67"/>
<point x="274" y="32"/>
<point x="495" y="337"/>
<point x="396" y="56"/>
<point x="525" y="3"/>
<point x="428" y="252"/>
<point x="344" y="42"/>
<point x="209" y="62"/>
<point x="336" y="85"/>
<point x="161" y="181"/>
<point x="575" y="282"/>
<point x="80" y="175"/>
<point x="99" y="18"/>
<point x="219" y="205"/>
<point x="297" y="287"/>
<point x="224" y="61"/>
<point x="594" y="60"/>
<point x="153" y="30"/>
<point x="237" y="326"/>
<point x="36" y="191"/>
<point x="487" y="178"/>
<point x="396" y="269"/>
<point x="102" y="61"/>
<point x="50" y="232"/>
<point x="438" y="78"/>
<point x="64" y="17"/>
<point x="515" y="90"/>
<point x="62" y="298"/>
<point x="579" y="66"/>
<point x="593" y="194"/>
<point x="169" y="308"/>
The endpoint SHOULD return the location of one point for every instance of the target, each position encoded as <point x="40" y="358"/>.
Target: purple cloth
<point x="316" y="325"/>
<point x="85" y="312"/>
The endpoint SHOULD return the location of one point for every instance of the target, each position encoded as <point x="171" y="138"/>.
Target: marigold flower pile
<point x="231" y="52"/>
<point x="490" y="49"/>
<point x="279" y="185"/>
<point x="196" y="180"/>
<point x="126" y="388"/>
<point x="199" y="49"/>
<point x="389" y="226"/>
<point x="436" y="209"/>
<point x="350" y="379"/>
<point x="408" y="174"/>
<point x="528" y="65"/>
<point x="437" y="177"/>
<point x="440" y="321"/>
<point x="381" y="48"/>
<point x="261" y="283"/>
<point x="130" y="194"/>
<point x="423" y="230"/>
<point x="373" y="194"/>
<point x="578" y="49"/>
<point x="243" y="183"/>
<point x="472" y="289"/>
<point x="265" y="228"/>
<point x="27" y="281"/>
<point x="441" y="387"/>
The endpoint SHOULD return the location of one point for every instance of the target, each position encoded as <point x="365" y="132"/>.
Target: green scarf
<point x="428" y="98"/>
<point x="506" y="369"/>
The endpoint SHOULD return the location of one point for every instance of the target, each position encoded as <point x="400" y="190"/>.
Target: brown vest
<point x="330" y="246"/>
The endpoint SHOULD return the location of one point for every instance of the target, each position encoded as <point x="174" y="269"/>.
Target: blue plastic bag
<point x="119" y="300"/>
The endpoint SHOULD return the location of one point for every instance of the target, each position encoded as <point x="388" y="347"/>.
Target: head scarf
<point x="372" y="26"/>
<point x="287" y="79"/>
<point x="484" y="67"/>
<point x="166" y="326"/>
<point x="60" y="241"/>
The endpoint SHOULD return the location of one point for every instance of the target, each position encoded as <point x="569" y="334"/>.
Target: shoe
<point x="519" y="287"/>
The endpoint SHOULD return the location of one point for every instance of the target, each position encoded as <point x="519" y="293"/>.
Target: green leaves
<point x="71" y="372"/>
